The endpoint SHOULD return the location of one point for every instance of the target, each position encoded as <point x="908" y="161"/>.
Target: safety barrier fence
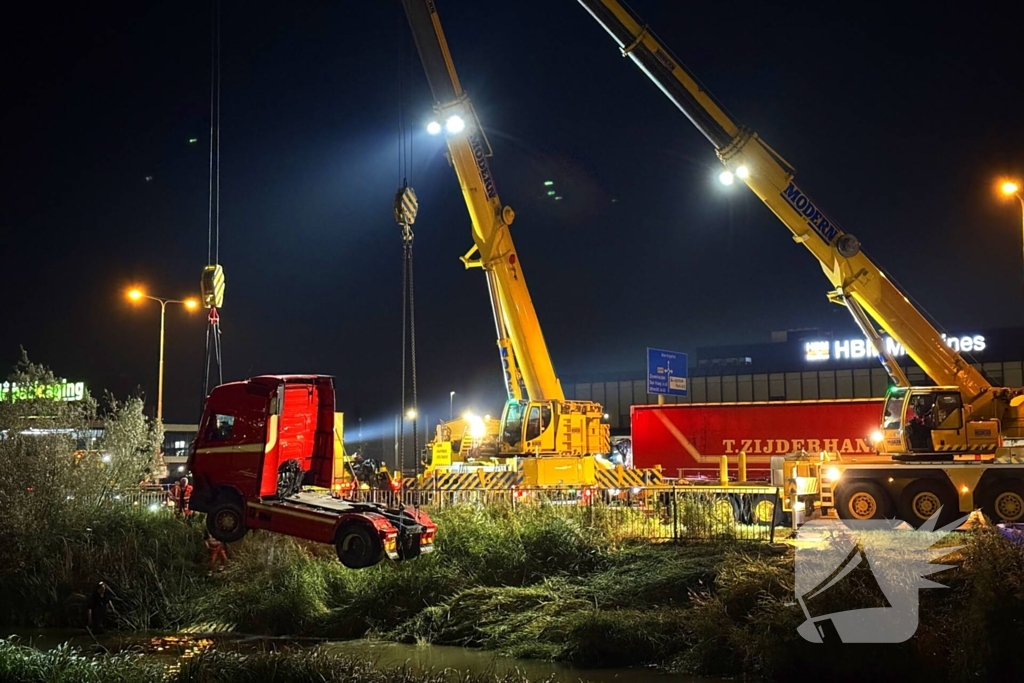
<point x="741" y="512"/>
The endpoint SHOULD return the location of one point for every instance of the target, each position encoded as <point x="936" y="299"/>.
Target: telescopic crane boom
<point x="541" y="422"/>
<point x="964" y="413"/>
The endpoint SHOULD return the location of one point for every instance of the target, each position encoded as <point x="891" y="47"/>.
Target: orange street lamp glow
<point x="135" y="294"/>
<point x="191" y="304"/>
<point x="1009" y="188"/>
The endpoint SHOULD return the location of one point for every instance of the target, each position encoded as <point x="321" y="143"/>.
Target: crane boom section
<point x="851" y="273"/>
<point x="468" y="151"/>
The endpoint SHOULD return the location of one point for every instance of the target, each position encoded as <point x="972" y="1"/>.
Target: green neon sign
<point x="62" y="391"/>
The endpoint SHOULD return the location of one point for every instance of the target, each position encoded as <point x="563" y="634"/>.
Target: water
<point x="175" y="648"/>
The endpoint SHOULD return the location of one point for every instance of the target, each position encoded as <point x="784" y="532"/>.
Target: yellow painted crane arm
<point x="750" y="159"/>
<point x="468" y="151"/>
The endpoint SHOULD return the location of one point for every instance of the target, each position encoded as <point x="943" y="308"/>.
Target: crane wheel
<point x="861" y="500"/>
<point x="226" y="521"/>
<point x="926" y="497"/>
<point x="358" y="547"/>
<point x="1004" y="501"/>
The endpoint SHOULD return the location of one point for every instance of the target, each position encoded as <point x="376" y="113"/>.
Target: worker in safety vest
<point x="181" y="494"/>
<point x="218" y="553"/>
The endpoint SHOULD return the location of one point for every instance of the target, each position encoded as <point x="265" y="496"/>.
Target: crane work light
<point x="725" y="177"/>
<point x="433" y="127"/>
<point x="455" y="124"/>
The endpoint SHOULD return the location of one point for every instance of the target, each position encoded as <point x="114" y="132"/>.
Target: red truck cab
<point x="261" y="444"/>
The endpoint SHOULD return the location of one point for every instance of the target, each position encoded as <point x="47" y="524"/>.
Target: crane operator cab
<point x="526" y="427"/>
<point x="931" y="421"/>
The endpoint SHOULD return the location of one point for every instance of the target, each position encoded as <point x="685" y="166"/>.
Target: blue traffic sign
<point x="666" y="372"/>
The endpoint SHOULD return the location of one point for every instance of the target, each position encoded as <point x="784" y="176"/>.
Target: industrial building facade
<point x="798" y="365"/>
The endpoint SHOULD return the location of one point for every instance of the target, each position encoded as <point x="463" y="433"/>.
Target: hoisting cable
<point x="212" y="279"/>
<point x="405" y="208"/>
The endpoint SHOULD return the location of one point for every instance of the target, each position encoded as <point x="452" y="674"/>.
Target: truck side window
<point x="947" y="412"/>
<point x="533" y="424"/>
<point x="220" y="428"/>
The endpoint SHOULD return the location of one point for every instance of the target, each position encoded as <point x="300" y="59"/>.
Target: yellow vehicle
<point x="952" y="445"/>
<point x="542" y="439"/>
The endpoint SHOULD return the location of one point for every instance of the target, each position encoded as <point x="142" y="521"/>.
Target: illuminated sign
<point x="63" y="391"/>
<point x="853" y="349"/>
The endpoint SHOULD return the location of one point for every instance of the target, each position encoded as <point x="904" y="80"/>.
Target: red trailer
<point x="263" y="441"/>
<point x="688" y="440"/>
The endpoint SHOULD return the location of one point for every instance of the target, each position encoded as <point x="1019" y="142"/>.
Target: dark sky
<point x="898" y="121"/>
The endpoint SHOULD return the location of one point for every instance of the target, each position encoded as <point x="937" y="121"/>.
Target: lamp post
<point x="1010" y="188"/>
<point x="191" y="305"/>
<point x="451" y="404"/>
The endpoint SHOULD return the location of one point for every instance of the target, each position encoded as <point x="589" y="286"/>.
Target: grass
<point x="19" y="664"/>
<point x="538" y="582"/>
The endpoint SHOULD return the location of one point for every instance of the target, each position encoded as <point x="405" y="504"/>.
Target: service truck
<point x="264" y="447"/>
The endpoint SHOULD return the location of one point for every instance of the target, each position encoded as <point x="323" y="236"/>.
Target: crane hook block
<point x="406" y="206"/>
<point x="848" y="246"/>
<point x="211" y="285"/>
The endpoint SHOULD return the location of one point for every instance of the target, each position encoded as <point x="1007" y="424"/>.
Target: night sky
<point x="898" y="123"/>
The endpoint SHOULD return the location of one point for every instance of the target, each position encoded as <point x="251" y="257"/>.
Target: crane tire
<point x="862" y="499"/>
<point x="358" y="547"/>
<point x="1004" y="500"/>
<point x="923" y="498"/>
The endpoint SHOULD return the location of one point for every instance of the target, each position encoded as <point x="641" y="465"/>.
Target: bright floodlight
<point x="477" y="428"/>
<point x="833" y="473"/>
<point x="1009" y="188"/>
<point x="877" y="437"/>
<point x="725" y="177"/>
<point x="455" y="124"/>
<point x="433" y="127"/>
<point x="411" y="413"/>
<point x="742" y="172"/>
<point x="191" y="304"/>
<point x="135" y="294"/>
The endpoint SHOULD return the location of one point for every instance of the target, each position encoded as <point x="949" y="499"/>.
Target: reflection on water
<point x="175" y="649"/>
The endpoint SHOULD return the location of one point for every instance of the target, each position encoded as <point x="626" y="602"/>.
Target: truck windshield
<point x="893" y="409"/>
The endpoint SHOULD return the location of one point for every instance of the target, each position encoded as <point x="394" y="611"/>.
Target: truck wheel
<point x="1004" y="501"/>
<point x="862" y="500"/>
<point x="226" y="521"/>
<point x="764" y="509"/>
<point x="924" y="497"/>
<point x="357" y="547"/>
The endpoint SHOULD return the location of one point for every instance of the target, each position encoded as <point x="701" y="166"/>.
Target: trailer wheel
<point x="226" y="521"/>
<point x="1004" y="501"/>
<point x="925" y="497"/>
<point x="861" y="500"/>
<point x="357" y="547"/>
<point x="765" y="509"/>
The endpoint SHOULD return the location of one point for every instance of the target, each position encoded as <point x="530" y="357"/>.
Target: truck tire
<point x="925" y="497"/>
<point x="358" y="547"/>
<point x="1004" y="500"/>
<point x="765" y="510"/>
<point x="861" y="499"/>
<point x="226" y="521"/>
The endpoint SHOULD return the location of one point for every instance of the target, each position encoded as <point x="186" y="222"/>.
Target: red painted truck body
<point x="263" y="441"/>
<point x="688" y="440"/>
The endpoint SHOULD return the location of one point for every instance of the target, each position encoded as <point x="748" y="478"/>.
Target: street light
<point x="1010" y="188"/>
<point x="451" y="404"/>
<point x="135" y="294"/>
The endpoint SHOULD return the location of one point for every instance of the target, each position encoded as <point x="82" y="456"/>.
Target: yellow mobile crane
<point x="554" y="440"/>
<point x="955" y="443"/>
